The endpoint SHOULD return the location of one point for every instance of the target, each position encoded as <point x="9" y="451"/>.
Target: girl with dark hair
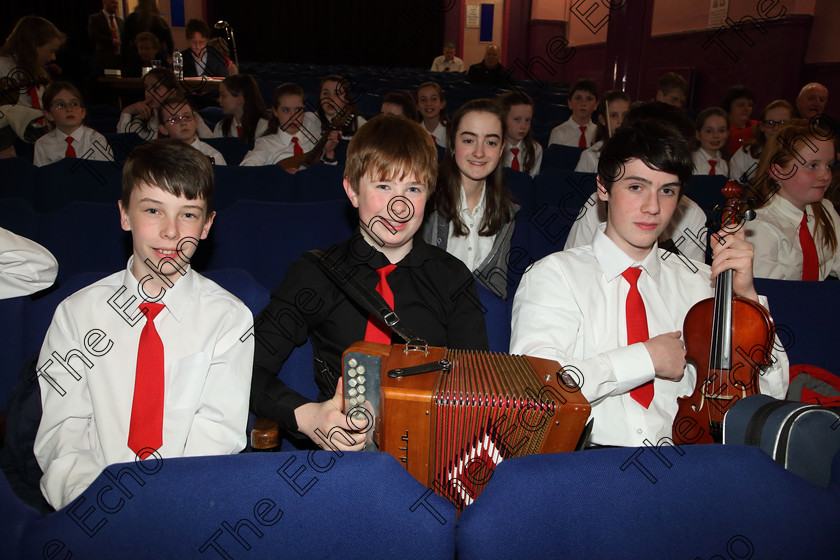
<point x="473" y="210"/>
<point x="712" y="126"/>
<point x="244" y="109"/>
<point x="522" y="152"/>
<point x="738" y="104"/>
<point x="431" y="104"/>
<point x="25" y="55"/>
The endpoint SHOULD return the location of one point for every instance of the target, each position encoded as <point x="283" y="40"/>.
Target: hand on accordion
<point x="326" y="425"/>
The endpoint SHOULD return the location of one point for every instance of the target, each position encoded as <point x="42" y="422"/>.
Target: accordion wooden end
<point x="451" y="416"/>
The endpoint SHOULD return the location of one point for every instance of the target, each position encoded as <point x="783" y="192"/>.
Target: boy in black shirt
<point x="390" y="174"/>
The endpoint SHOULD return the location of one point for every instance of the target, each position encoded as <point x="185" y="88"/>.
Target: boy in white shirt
<point x="178" y="120"/>
<point x="575" y="306"/>
<point x="150" y="361"/>
<point x="69" y="137"/>
<point x="579" y="130"/>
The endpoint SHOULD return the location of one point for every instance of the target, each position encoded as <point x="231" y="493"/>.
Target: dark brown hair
<point x="29" y="33"/>
<point x="508" y="100"/>
<point x="499" y="202"/>
<point x="253" y="109"/>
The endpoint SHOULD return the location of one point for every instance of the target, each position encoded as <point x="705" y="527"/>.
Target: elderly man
<point x="488" y="70"/>
<point x="811" y="100"/>
<point x="448" y="62"/>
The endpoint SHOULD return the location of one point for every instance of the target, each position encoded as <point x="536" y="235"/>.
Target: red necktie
<point x="33" y="95"/>
<point x="239" y="132"/>
<point x="582" y="141"/>
<point x="434" y="139"/>
<point x="376" y="332"/>
<point x="112" y="22"/>
<point x="810" y="260"/>
<point x="70" y="151"/>
<point x="637" y="329"/>
<point x="712" y="164"/>
<point x="146" y="428"/>
<point x="298" y="151"/>
<point x="515" y="163"/>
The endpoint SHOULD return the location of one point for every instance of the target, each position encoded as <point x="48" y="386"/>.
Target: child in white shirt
<point x="178" y="120"/>
<point x="579" y="130"/>
<point x="611" y="111"/>
<point x="521" y="151"/>
<point x="69" y="137"/>
<point x="712" y="126"/>
<point x="161" y="366"/>
<point x="291" y="131"/>
<point x="431" y="104"/>
<point x="244" y="109"/>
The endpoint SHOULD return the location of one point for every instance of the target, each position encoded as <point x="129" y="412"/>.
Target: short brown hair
<point x="54" y="88"/>
<point x="196" y="26"/>
<point x="391" y="146"/>
<point x="173" y="105"/>
<point x="172" y="166"/>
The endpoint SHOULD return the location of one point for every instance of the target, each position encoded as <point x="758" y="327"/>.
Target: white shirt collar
<point x="614" y="261"/>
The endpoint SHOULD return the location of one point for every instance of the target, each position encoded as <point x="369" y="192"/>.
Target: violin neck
<point x="720" y="354"/>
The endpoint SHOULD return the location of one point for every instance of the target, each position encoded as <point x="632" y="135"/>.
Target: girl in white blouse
<point x="795" y="231"/>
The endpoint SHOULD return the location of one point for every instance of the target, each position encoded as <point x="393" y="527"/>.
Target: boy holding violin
<point x="612" y="311"/>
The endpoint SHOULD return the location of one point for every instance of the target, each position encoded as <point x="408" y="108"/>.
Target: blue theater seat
<point x="85" y="237"/>
<point x="267" y="183"/>
<point x="320" y="183"/>
<point x="251" y="505"/>
<point x="79" y="180"/>
<point x="561" y="157"/>
<point x="17" y="216"/>
<point x="805" y="314"/>
<point x="702" y="501"/>
<point x="705" y="191"/>
<point x="122" y="144"/>
<point x="232" y="149"/>
<point x="559" y="196"/>
<point x="18" y="178"/>
<point x="241" y="284"/>
<point x="265" y="238"/>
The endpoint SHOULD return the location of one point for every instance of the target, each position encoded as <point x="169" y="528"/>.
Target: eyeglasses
<point x="66" y="104"/>
<point x="175" y="120"/>
<point x="773" y="124"/>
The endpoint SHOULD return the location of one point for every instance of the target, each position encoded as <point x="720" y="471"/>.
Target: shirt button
<point x="469" y="248"/>
<point x="639" y="431"/>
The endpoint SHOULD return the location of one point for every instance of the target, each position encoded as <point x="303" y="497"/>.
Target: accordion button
<point x="352" y="383"/>
<point x="352" y="392"/>
<point x="353" y="402"/>
<point x="361" y="369"/>
<point x="361" y="389"/>
<point x="352" y="372"/>
<point x="361" y="378"/>
<point x="361" y="399"/>
<point x="352" y="362"/>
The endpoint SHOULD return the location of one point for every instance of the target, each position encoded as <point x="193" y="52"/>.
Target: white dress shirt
<point x="7" y="68"/>
<point x="775" y="237"/>
<point x="740" y="162"/>
<point x="268" y="150"/>
<point x="262" y="126"/>
<point x="25" y="266"/>
<point x="471" y="249"/>
<point x="438" y="134"/>
<point x="507" y="157"/>
<point x="570" y="307"/>
<point x="86" y="418"/>
<point x="87" y="143"/>
<point x="702" y="166"/>
<point x="208" y="150"/>
<point x="441" y="65"/>
<point x="688" y="223"/>
<point x="134" y="123"/>
<point x="568" y="134"/>
<point x="589" y="158"/>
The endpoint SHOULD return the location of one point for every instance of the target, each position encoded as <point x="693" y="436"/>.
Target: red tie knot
<point x="582" y="128"/>
<point x="385" y="271"/>
<point x="632" y="275"/>
<point x="69" y="140"/>
<point x="515" y="151"/>
<point x="150" y="310"/>
<point x="294" y="140"/>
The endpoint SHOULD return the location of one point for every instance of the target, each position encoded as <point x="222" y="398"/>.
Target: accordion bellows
<point x="450" y="428"/>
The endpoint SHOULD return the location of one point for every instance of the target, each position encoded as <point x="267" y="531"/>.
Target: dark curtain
<point x="381" y="33"/>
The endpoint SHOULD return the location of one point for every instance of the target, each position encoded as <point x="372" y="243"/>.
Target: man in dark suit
<point x="105" y="30"/>
<point x="489" y="70"/>
<point x="199" y="59"/>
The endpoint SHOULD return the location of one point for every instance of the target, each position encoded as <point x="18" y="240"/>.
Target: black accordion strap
<point x="370" y="300"/>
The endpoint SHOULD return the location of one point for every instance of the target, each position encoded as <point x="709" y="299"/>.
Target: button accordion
<point x="450" y="416"/>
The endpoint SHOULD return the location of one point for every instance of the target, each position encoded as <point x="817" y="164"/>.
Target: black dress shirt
<point x="434" y="295"/>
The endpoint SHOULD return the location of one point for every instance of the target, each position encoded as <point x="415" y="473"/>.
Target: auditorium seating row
<point x="710" y="501"/>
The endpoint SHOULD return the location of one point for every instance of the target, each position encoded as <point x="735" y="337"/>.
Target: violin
<point x="337" y="123"/>
<point x="729" y="338"/>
